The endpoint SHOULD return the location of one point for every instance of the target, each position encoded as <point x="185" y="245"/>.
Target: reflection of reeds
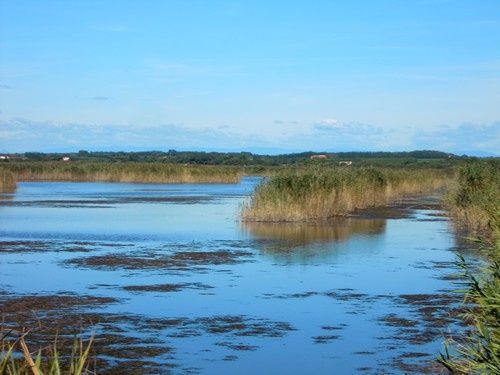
<point x="321" y="193"/>
<point x="124" y="172"/>
<point x="302" y="234"/>
<point x="7" y="180"/>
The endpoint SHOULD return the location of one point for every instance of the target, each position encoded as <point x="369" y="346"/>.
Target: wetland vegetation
<point x="307" y="195"/>
<point x="198" y="167"/>
<point x="7" y="180"/>
<point x="121" y="172"/>
<point x="319" y="193"/>
<point x="473" y="199"/>
<point x="55" y="359"/>
<point x="474" y="204"/>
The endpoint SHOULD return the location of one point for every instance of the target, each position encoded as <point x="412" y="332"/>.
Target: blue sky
<point x="266" y="76"/>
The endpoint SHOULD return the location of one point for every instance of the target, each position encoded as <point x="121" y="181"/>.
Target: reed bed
<point x="7" y="180"/>
<point x="123" y="172"/>
<point x="474" y="204"/>
<point x="474" y="198"/>
<point x="321" y="193"/>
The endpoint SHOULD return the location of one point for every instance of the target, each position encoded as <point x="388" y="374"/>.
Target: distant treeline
<point x="247" y="158"/>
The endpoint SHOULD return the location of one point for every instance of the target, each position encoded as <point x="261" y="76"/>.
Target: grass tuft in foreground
<point x="475" y="206"/>
<point x="321" y="193"/>
<point x="16" y="357"/>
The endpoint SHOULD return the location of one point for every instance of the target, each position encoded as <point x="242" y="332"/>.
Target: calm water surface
<point x="214" y="296"/>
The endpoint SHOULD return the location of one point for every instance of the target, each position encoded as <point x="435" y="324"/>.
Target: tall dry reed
<point x="321" y="193"/>
<point x="474" y="204"/>
<point x="7" y="180"/>
<point x="474" y="199"/>
<point x="123" y="172"/>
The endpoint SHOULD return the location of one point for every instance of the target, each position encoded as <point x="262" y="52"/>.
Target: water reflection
<point x="6" y="195"/>
<point x="310" y="239"/>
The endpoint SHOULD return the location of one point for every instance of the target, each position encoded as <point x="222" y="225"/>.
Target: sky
<point x="260" y="76"/>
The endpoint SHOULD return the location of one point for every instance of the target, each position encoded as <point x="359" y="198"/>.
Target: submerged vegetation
<point x="7" y="180"/>
<point x="321" y="193"/>
<point x="122" y="172"/>
<point x="475" y="206"/>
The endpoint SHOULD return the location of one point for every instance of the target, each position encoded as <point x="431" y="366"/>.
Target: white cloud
<point x="328" y="124"/>
<point x="20" y="135"/>
<point x="464" y="138"/>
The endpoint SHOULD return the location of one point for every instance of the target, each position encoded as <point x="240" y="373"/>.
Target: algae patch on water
<point x="151" y="260"/>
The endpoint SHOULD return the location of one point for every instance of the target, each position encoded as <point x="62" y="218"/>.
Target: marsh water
<point x="170" y="281"/>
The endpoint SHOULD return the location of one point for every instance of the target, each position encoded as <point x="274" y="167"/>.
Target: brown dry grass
<point x="7" y="180"/>
<point x="123" y="172"/>
<point x="473" y="200"/>
<point x="319" y="194"/>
